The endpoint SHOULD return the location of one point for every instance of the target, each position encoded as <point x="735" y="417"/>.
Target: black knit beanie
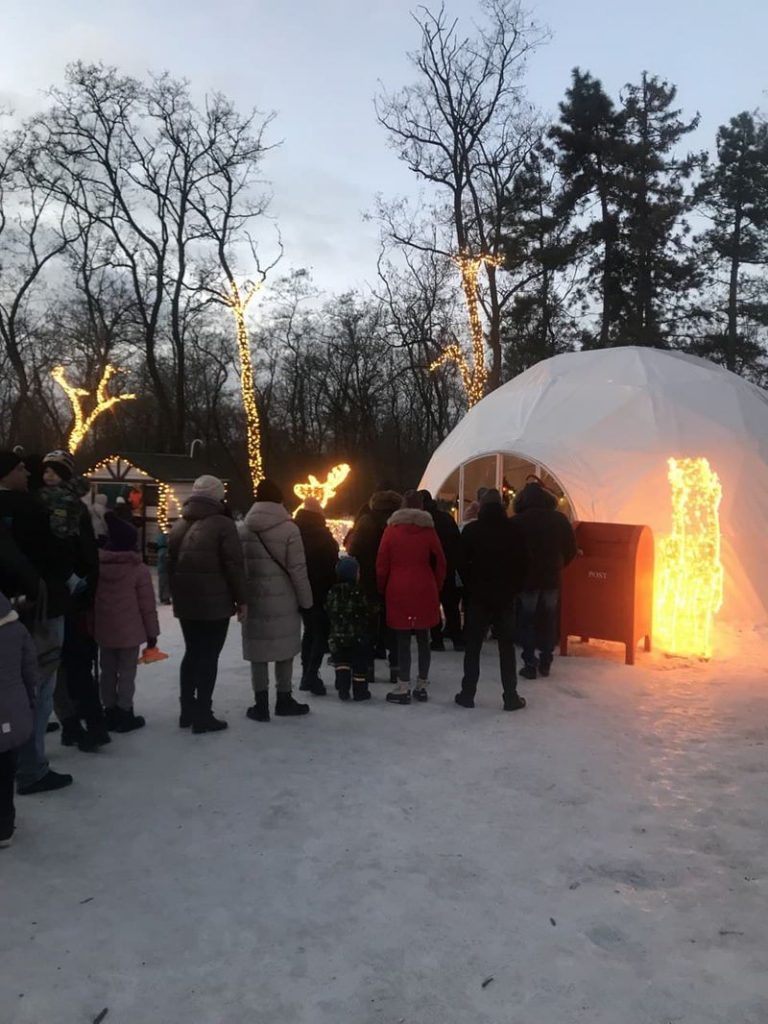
<point x="267" y="490"/>
<point x="8" y="462"/>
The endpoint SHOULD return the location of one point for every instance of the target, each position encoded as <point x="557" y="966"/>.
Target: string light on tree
<point x="104" y="401"/>
<point x="474" y="374"/>
<point x="325" y="490"/>
<point x="165" y="495"/>
<point x="238" y="302"/>
<point x="689" y="574"/>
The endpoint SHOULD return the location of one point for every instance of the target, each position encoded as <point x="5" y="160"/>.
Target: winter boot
<point x="97" y="732"/>
<point x="344" y="682"/>
<point x="465" y="698"/>
<point x="528" y="671"/>
<point x="74" y="735"/>
<point x="544" y="668"/>
<point x="205" y="721"/>
<point x="400" y="695"/>
<point x="514" y="702"/>
<point x="259" y="712"/>
<point x="111" y="718"/>
<point x="287" y="707"/>
<point x="316" y="687"/>
<point x="128" y="721"/>
<point x="52" y="727"/>
<point x="420" y="691"/>
<point x="360" y="689"/>
<point x="394" y="677"/>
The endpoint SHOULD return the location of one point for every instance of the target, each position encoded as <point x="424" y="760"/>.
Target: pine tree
<point x="540" y="245"/>
<point x="656" y="269"/>
<point x="734" y="192"/>
<point x="588" y="139"/>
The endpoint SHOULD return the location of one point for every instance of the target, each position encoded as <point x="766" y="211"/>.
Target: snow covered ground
<point x="600" y="857"/>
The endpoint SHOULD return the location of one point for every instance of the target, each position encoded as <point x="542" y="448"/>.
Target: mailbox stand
<point x="608" y="588"/>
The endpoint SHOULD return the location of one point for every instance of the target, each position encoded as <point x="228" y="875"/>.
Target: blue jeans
<point x="32" y="763"/>
<point x="538" y="625"/>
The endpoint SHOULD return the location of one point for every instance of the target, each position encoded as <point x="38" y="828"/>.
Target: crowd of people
<point x="77" y="604"/>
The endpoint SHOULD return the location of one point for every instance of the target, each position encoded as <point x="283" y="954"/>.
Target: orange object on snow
<point x="151" y="655"/>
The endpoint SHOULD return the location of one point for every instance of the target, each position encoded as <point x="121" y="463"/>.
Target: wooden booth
<point x="154" y="484"/>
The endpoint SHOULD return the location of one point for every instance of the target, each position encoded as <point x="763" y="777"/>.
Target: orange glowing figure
<point x="326" y="490"/>
<point x="689" y="574"/>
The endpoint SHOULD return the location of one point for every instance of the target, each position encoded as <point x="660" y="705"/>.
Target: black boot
<point x="287" y="706"/>
<point x="344" y="682"/>
<point x="360" y="690"/>
<point x="513" y="701"/>
<point x="74" y="735"/>
<point x="111" y="718"/>
<point x="260" y="710"/>
<point x="128" y="721"/>
<point x="186" y="716"/>
<point x="465" y="698"/>
<point x="206" y="721"/>
<point x="96" y="730"/>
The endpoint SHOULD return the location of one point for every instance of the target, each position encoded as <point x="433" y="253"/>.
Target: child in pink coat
<point x="125" y="617"/>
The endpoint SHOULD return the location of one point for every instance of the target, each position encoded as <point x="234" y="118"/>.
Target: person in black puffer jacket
<point x="322" y="552"/>
<point x="551" y="545"/>
<point x="495" y="564"/>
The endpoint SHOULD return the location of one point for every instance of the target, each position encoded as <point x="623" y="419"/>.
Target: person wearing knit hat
<point x="207" y="486"/>
<point x="311" y="504"/>
<point x="207" y="584"/>
<point x="13" y="472"/>
<point x="267" y="490"/>
<point x="121" y="536"/>
<point x="349" y="637"/>
<point x="58" y="466"/>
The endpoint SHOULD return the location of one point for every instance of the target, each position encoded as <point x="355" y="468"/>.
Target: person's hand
<point x="242" y="612"/>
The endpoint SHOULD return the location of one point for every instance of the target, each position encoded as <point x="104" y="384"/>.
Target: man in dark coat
<point x="322" y="552"/>
<point x="551" y="545"/>
<point x="363" y="544"/>
<point x="449" y="536"/>
<point x="27" y="520"/>
<point x="495" y="565"/>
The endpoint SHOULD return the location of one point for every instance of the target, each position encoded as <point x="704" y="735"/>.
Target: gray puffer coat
<point x="18" y="679"/>
<point x="205" y="562"/>
<point x="277" y="585"/>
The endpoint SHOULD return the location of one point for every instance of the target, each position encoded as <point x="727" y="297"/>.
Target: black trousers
<point x="314" y="642"/>
<point x="450" y="599"/>
<point x="203" y="641"/>
<point x="77" y="686"/>
<point x="7" y="810"/>
<point x="479" y="619"/>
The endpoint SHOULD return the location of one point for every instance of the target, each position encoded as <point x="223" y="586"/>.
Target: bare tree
<point x="465" y="128"/>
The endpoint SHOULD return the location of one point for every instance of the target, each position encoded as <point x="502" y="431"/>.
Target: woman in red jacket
<point x="410" y="569"/>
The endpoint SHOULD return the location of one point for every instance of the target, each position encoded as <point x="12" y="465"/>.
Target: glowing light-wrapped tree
<point x="103" y="401"/>
<point x="474" y="373"/>
<point x="689" y="573"/>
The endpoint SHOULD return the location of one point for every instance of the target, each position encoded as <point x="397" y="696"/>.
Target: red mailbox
<point x="608" y="588"/>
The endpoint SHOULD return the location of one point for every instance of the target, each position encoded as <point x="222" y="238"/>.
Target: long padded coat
<point x="18" y="680"/>
<point x="410" y="570"/>
<point x="277" y="585"/>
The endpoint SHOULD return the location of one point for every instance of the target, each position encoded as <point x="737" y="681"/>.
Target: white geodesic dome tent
<point x="602" y="425"/>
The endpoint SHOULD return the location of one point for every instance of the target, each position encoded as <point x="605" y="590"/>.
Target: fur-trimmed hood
<point x="411" y="517"/>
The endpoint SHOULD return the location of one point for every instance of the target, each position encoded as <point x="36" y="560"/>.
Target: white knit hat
<point x="209" y="487"/>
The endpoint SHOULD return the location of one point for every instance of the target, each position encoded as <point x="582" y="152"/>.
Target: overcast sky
<point x="317" y="64"/>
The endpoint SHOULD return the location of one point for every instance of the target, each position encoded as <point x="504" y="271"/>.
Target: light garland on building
<point x="688" y="588"/>
<point x="238" y="302"/>
<point x="165" y="495"/>
<point x="474" y="375"/>
<point x="325" y="490"/>
<point x="82" y="423"/>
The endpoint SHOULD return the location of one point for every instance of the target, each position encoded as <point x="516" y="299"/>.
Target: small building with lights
<point x="600" y="428"/>
<point x="155" y="484"/>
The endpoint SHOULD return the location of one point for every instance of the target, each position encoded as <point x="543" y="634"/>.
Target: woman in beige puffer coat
<point x="277" y="590"/>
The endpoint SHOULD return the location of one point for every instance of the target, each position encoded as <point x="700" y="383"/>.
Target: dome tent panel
<point x="605" y="423"/>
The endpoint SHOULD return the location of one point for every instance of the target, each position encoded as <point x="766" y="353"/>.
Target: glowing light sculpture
<point x="474" y="374"/>
<point x="689" y="573"/>
<point x="326" y="490"/>
<point x="104" y="401"/>
<point x="238" y="301"/>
